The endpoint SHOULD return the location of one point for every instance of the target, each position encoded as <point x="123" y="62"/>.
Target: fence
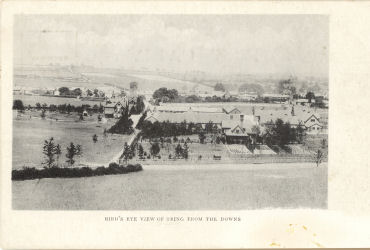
<point x="236" y="159"/>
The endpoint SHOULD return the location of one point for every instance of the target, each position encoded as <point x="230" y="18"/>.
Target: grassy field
<point x="202" y="187"/>
<point x="29" y="135"/>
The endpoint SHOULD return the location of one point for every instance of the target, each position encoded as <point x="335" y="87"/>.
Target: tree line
<point x="63" y="108"/>
<point x="168" y="129"/>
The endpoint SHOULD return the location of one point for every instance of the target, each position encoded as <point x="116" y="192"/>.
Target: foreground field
<point x="29" y="135"/>
<point x="202" y="187"/>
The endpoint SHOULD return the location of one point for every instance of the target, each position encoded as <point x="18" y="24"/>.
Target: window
<point x="242" y="117"/>
<point x="313" y="120"/>
<point x="231" y="117"/>
<point x="237" y="131"/>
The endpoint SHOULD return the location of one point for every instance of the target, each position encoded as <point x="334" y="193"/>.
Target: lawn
<point x="207" y="151"/>
<point x="187" y="187"/>
<point x="29" y="135"/>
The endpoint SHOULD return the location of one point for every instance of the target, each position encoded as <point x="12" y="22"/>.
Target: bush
<point x="56" y="172"/>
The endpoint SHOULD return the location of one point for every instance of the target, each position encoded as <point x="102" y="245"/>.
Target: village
<point x="239" y="128"/>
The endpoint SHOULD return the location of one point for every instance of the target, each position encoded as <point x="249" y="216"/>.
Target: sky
<point x="217" y="44"/>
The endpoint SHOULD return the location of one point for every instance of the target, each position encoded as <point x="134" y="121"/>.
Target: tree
<point x="58" y="152"/>
<point x="192" y="99"/>
<point x="141" y="151"/>
<point x="286" y="87"/>
<point x="281" y="133"/>
<point x="155" y="149"/>
<point x="64" y="91"/>
<point x="72" y="152"/>
<point x="38" y="106"/>
<point x="310" y="96"/>
<point x="178" y="151"/>
<point x="202" y="137"/>
<point x="219" y="87"/>
<point x="323" y="143"/>
<point x="49" y="151"/>
<point x="185" y="151"/>
<point x="123" y="125"/>
<point x="300" y="132"/>
<point x="133" y="110"/>
<point x="95" y="138"/>
<point x="76" y="92"/>
<point x="69" y="108"/>
<point x="141" y="121"/>
<point x="209" y="127"/>
<point x="126" y="152"/>
<point x="165" y="94"/>
<point x="318" y="157"/>
<point x="140" y="105"/>
<point x="43" y="114"/>
<point x="18" y="105"/>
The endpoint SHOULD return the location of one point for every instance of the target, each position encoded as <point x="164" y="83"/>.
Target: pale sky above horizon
<point x="224" y="44"/>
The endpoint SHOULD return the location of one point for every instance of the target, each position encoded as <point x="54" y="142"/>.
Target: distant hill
<point x="54" y="76"/>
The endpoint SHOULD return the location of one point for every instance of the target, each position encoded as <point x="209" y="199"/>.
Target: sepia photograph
<point x="170" y="112"/>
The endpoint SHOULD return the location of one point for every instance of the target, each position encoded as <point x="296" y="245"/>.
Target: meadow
<point x="182" y="187"/>
<point x="30" y="131"/>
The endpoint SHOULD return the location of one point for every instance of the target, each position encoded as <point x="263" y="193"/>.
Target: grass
<point x="56" y="172"/>
<point x="201" y="187"/>
<point x="195" y="150"/>
<point x="29" y="136"/>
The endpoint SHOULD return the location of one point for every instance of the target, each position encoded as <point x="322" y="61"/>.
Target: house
<point x="239" y="131"/>
<point x="109" y="110"/>
<point x="276" y="97"/>
<point x="115" y="109"/>
<point x="248" y="96"/>
<point x="304" y="102"/>
<point x="234" y="113"/>
<point x="313" y="124"/>
<point x="304" y="118"/>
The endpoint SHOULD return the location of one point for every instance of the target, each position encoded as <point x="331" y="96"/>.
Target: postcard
<point x="184" y="124"/>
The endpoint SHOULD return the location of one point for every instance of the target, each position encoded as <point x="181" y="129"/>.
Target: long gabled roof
<point x="189" y="116"/>
<point x="300" y="115"/>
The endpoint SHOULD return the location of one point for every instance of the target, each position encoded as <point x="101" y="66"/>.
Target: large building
<point x="236" y="125"/>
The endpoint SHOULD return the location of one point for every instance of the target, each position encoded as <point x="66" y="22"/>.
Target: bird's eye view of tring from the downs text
<point x="170" y="112"/>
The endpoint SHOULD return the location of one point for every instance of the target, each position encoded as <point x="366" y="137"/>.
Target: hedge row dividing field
<point x="56" y="172"/>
